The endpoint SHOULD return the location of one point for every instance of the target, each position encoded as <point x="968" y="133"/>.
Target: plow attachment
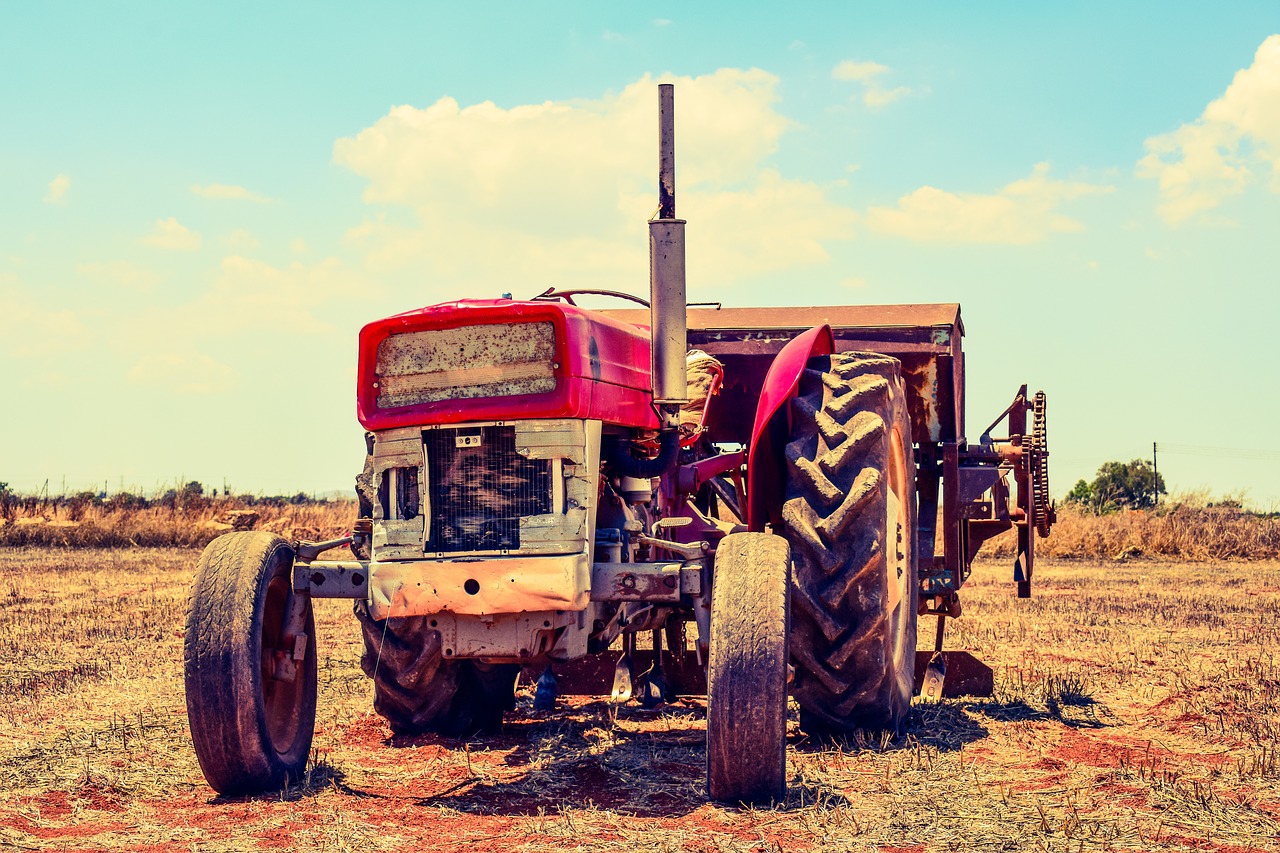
<point x="955" y="673"/>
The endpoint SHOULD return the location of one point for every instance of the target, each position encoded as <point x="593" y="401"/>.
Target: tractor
<point x="772" y="495"/>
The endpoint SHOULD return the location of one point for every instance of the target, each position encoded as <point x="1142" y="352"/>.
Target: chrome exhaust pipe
<point x="667" y="290"/>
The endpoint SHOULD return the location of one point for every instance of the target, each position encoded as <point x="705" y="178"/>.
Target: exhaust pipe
<point x="667" y="276"/>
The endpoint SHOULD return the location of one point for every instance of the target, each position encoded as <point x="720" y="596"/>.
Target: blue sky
<point x="199" y="207"/>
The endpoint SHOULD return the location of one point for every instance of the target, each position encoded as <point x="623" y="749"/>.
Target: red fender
<point x="765" y="460"/>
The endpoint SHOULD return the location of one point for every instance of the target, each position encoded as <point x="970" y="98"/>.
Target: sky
<point x="200" y="206"/>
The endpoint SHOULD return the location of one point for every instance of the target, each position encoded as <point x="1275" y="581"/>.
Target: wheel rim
<point x="281" y="700"/>
<point x="898" y="549"/>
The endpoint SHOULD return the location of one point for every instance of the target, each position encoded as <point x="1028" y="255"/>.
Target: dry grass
<point x="1137" y="708"/>
<point x="68" y="524"/>
<point x="1180" y="532"/>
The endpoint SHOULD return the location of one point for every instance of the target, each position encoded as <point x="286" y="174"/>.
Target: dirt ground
<point x="1137" y="707"/>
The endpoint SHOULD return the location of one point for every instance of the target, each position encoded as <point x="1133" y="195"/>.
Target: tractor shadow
<point x="944" y="726"/>
<point x="1078" y="711"/>
<point x="629" y="761"/>
<point x="952" y="724"/>
<point x="634" y="762"/>
<point x="320" y="776"/>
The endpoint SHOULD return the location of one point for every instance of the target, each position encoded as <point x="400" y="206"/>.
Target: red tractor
<point x="544" y="483"/>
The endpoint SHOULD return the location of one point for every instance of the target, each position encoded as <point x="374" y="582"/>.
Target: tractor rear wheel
<point x="417" y="690"/>
<point x="747" y="670"/>
<point x="851" y="519"/>
<point x="251" y="706"/>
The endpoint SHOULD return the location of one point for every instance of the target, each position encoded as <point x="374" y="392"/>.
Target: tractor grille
<point x="480" y="488"/>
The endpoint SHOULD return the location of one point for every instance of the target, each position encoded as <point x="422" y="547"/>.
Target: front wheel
<point x="747" y="670"/>
<point x="251" y="690"/>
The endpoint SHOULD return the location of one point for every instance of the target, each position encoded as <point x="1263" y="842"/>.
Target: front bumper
<point x="467" y="586"/>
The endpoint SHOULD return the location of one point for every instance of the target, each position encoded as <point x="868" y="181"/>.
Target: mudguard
<point x="765" y="459"/>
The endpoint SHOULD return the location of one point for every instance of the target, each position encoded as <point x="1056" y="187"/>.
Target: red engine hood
<point x="601" y="367"/>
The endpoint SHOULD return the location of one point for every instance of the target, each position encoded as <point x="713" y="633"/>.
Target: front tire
<point x="251" y="730"/>
<point x="747" y="670"/>
<point x="851" y="519"/>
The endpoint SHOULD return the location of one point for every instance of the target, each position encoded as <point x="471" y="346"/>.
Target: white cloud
<point x="57" y="189"/>
<point x="183" y="373"/>
<point x="539" y="194"/>
<point x="172" y="234"/>
<point x="122" y="273"/>
<point x="241" y="239"/>
<point x="29" y="329"/>
<point x="1025" y="211"/>
<point x="228" y="192"/>
<point x="874" y="97"/>
<point x="1204" y="162"/>
<point x="868" y="75"/>
<point x="253" y="296"/>
<point x="860" y="71"/>
<point x="249" y="312"/>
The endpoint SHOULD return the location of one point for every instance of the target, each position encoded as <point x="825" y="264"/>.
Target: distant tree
<point x="190" y="496"/>
<point x="1118" y="485"/>
<point x="127" y="501"/>
<point x="1081" y="493"/>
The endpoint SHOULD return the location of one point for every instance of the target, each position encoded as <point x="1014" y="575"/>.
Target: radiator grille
<point x="480" y="488"/>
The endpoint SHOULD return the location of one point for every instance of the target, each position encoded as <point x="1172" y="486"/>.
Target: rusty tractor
<point x="544" y="484"/>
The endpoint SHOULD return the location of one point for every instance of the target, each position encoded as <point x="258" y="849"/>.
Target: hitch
<point x="978" y="504"/>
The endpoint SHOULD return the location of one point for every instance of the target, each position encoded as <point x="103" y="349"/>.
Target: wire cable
<point x="1219" y="452"/>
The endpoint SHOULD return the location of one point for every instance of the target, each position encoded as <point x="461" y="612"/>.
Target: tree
<point x="1133" y="485"/>
<point x="1081" y="493"/>
<point x="191" y="496"/>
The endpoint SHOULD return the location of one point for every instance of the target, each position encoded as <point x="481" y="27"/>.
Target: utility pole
<point x="1155" y="471"/>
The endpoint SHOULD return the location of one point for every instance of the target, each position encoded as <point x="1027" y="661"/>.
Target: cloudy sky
<point x="199" y="208"/>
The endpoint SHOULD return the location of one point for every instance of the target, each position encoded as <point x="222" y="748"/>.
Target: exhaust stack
<point x="667" y="276"/>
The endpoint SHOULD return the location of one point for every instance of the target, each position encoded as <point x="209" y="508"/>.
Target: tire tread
<point x="842" y="638"/>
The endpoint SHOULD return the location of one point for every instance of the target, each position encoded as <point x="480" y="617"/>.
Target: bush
<point x="191" y="496"/>
<point x="122" y="501"/>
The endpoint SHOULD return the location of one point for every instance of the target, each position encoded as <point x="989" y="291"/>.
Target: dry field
<point x="1137" y="707"/>
<point x="1180" y="530"/>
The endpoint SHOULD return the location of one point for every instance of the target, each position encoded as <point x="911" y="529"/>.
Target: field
<point x="1182" y="529"/>
<point x="1137" y="707"/>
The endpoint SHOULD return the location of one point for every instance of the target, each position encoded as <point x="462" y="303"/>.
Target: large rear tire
<point x="850" y="515"/>
<point x="747" y="670"/>
<point x="417" y="690"/>
<point x="251" y="730"/>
